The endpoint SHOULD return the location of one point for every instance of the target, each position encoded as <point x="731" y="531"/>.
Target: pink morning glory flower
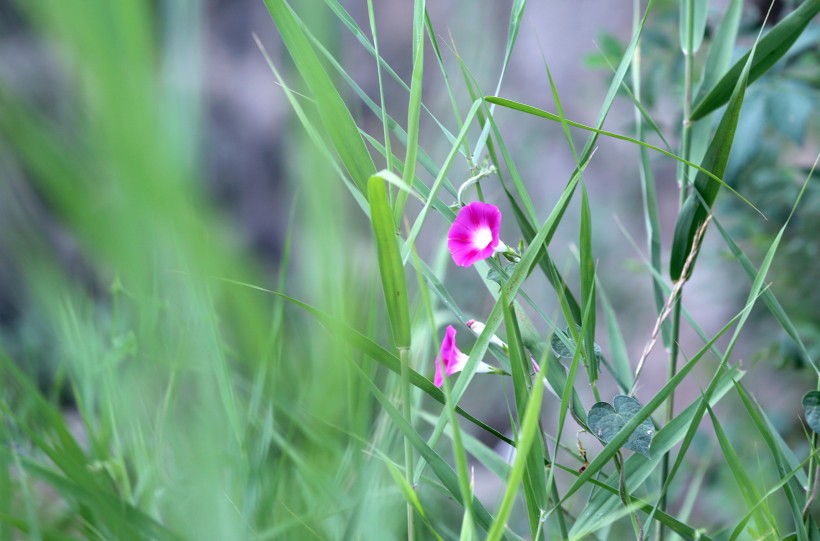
<point x="452" y="360"/>
<point x="474" y="234"/>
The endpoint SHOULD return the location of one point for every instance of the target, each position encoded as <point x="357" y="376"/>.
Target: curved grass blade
<point x="535" y="111"/>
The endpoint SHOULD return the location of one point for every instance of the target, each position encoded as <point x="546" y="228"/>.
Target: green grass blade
<point x="535" y="486"/>
<point x="588" y="296"/>
<point x="442" y="470"/>
<point x="705" y="189"/>
<point x="781" y="461"/>
<point x="414" y="107"/>
<point x="623" y="435"/>
<point x="336" y="118"/>
<point x="765" y="525"/>
<point x="637" y="468"/>
<point x="385" y="128"/>
<point x="311" y="130"/>
<point x="766" y="53"/>
<point x="528" y="434"/>
<point x="693" y="24"/>
<point x="390" y="264"/>
<point x="774" y="306"/>
<point x="528" y="109"/>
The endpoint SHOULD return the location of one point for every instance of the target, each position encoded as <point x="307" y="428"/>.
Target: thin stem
<point x="408" y="448"/>
<point x="683" y="182"/>
<point x="623" y="492"/>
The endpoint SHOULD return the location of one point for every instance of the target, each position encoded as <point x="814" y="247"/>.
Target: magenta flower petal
<point x="474" y="234"/>
<point x="449" y="356"/>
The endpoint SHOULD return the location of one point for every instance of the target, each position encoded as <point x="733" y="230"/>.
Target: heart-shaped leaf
<point x="811" y="403"/>
<point x="605" y="420"/>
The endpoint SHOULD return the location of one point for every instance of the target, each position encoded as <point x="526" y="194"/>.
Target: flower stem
<point x="408" y="448"/>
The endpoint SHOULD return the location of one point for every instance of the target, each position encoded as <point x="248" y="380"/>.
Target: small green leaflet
<point x="499" y="278"/>
<point x="605" y="421"/>
<point x="811" y="403"/>
<point x="559" y="342"/>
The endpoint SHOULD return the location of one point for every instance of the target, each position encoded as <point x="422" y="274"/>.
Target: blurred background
<point x="148" y="156"/>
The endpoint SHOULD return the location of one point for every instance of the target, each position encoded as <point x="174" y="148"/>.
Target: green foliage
<point x="605" y="420"/>
<point x="210" y="398"/>
<point x="811" y="405"/>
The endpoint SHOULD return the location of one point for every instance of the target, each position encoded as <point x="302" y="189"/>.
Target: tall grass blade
<point x="390" y="264"/>
<point x="705" y="189"/>
<point x="337" y="121"/>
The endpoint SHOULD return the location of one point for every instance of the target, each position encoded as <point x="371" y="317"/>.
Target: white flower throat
<point x="482" y="237"/>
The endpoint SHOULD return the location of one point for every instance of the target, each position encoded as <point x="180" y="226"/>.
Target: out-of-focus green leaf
<point x="692" y="24"/>
<point x="767" y="52"/>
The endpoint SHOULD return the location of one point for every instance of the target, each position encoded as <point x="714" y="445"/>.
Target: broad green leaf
<point x="605" y="420"/>
<point x="765" y="54"/>
<point x="390" y="265"/>
<point x="811" y="406"/>
<point x="500" y="276"/>
<point x="339" y="125"/>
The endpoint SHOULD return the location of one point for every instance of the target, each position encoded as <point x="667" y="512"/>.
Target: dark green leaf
<point x="811" y="403"/>
<point x="605" y="420"/>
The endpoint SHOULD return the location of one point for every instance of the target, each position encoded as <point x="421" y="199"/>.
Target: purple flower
<point x="474" y="234"/>
<point x="451" y="360"/>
